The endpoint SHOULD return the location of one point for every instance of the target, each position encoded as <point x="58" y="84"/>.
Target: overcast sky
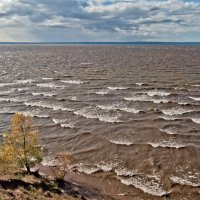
<point x="99" y="20"/>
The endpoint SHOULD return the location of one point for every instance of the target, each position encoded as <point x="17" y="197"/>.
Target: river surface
<point x="130" y="115"/>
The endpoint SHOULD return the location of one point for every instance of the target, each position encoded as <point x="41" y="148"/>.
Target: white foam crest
<point x="102" y="92"/>
<point x="6" y="92"/>
<point x="170" y="130"/>
<point x="106" y="166"/>
<point x="147" y="185"/>
<point x="44" y="78"/>
<point x="158" y="93"/>
<point x="63" y="123"/>
<point x="6" y="84"/>
<point x="161" y="100"/>
<point x="25" y="81"/>
<point x="67" y="125"/>
<point x="93" y="113"/>
<point x="186" y="180"/>
<point x="33" y="114"/>
<point x="12" y="99"/>
<point x="87" y="169"/>
<point x="121" y="141"/>
<point x="176" y="111"/>
<point x="139" y="84"/>
<point x="121" y="171"/>
<point x="196" y="120"/>
<point x="117" y="88"/>
<point x="195" y="98"/>
<point x="75" y="82"/>
<point x="167" y="144"/>
<point x="137" y="97"/>
<point x="169" y="118"/>
<point x="6" y="111"/>
<point x="22" y="89"/>
<point x="49" y="85"/>
<point x="118" y="106"/>
<point x="46" y="94"/>
<point x="46" y="105"/>
<point x="49" y="161"/>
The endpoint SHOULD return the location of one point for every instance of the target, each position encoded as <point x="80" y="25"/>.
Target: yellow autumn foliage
<point x="20" y="147"/>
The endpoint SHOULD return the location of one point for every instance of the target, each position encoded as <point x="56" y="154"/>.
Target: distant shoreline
<point x="107" y="43"/>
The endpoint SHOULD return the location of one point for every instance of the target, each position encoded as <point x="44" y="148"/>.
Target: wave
<point x="87" y="169"/>
<point x="6" y="84"/>
<point x="49" y="85"/>
<point x="63" y="123"/>
<point x="176" y="111"/>
<point x="158" y="93"/>
<point x="140" y="84"/>
<point x="49" y="161"/>
<point x="121" y="171"/>
<point x="46" y="94"/>
<point x="33" y="114"/>
<point x="75" y="82"/>
<point x="22" y="89"/>
<point x="94" y="113"/>
<point x="121" y="142"/>
<point x="6" y="92"/>
<point x="117" y="88"/>
<point x="167" y="144"/>
<point x="144" y="97"/>
<point x="25" y="81"/>
<point x="12" y="99"/>
<point x="186" y="180"/>
<point x="170" y="130"/>
<point x="118" y="106"/>
<point x="46" y="105"/>
<point x="102" y="92"/>
<point x="44" y="78"/>
<point x="146" y="184"/>
<point x="195" y="98"/>
<point x="196" y="120"/>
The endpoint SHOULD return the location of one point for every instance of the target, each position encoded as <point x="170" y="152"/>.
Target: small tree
<point x="63" y="160"/>
<point x="20" y="146"/>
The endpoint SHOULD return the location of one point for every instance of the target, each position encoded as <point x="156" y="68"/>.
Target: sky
<point x="99" y="20"/>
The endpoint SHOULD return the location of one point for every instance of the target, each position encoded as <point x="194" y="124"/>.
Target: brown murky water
<point x="130" y="115"/>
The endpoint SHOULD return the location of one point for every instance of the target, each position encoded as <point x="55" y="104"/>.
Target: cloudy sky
<point x="99" y="20"/>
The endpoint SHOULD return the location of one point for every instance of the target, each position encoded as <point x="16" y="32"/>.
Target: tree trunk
<point x="28" y="168"/>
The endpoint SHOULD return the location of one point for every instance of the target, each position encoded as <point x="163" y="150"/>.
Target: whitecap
<point x="94" y="113"/>
<point x="46" y="94"/>
<point x="49" y="161"/>
<point x="25" y="81"/>
<point x="195" y="98"/>
<point x="6" y="92"/>
<point x="142" y="97"/>
<point x="6" y="84"/>
<point x="158" y="93"/>
<point x="44" y="78"/>
<point x="147" y="185"/>
<point x="87" y="169"/>
<point x="176" y="111"/>
<point x="49" y="85"/>
<point x="196" y="120"/>
<point x="161" y="100"/>
<point x="167" y="144"/>
<point x="63" y="123"/>
<point x="186" y="180"/>
<point x="117" y="88"/>
<point x="102" y="92"/>
<point x="121" y="141"/>
<point x="121" y="171"/>
<point x="170" y="130"/>
<point x="106" y="166"/>
<point x="119" y="106"/>
<point x="47" y="105"/>
<point x="139" y="84"/>
<point x="33" y="114"/>
<point x="76" y="82"/>
<point x="12" y="99"/>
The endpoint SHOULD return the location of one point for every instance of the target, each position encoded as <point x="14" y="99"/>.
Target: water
<point x="130" y="115"/>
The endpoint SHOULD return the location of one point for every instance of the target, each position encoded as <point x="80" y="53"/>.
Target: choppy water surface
<point x="130" y="115"/>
